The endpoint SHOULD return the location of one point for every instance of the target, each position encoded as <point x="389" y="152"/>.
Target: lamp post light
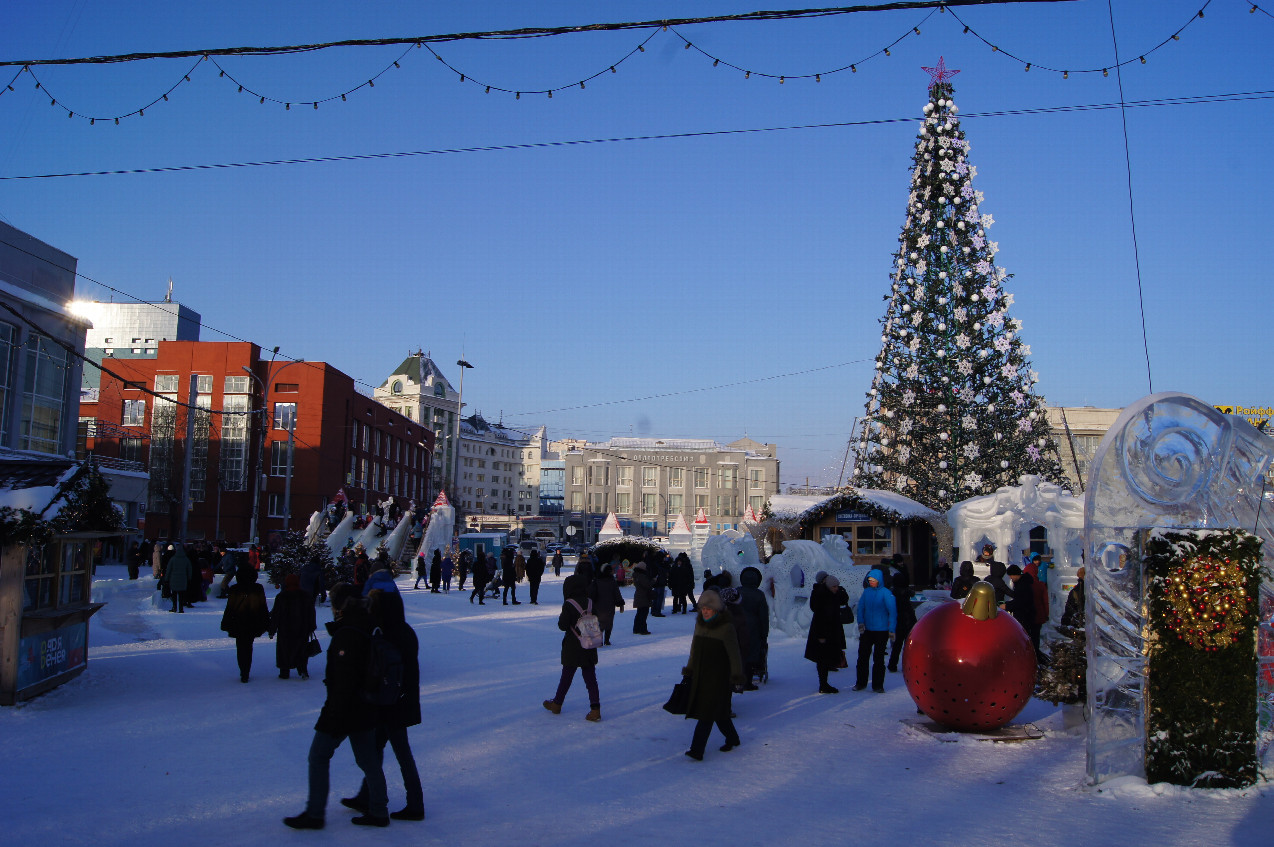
<point x="455" y="453"/>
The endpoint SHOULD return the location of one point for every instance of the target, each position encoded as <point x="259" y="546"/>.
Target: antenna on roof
<point x="168" y="298"/>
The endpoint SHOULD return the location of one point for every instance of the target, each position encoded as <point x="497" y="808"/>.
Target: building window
<point x="236" y="385"/>
<point x="203" y="383"/>
<point x="275" y="507"/>
<point x="677" y="477"/>
<point x="623" y="502"/>
<point x="650" y="504"/>
<point x="873" y="540"/>
<point x="284" y="415"/>
<point x="130" y="449"/>
<point x="166" y="383"/>
<point x="577" y="475"/>
<point x="701" y="477"/>
<point x="701" y="502"/>
<point x="728" y="476"/>
<point x="134" y="413"/>
<point x="577" y="501"/>
<point x="649" y="477"/>
<point x="286" y="387"/>
<point x="43" y="396"/>
<point x="278" y="458"/>
<point x="725" y="505"/>
<point x="756" y="478"/>
<point x="233" y="471"/>
<point x="8" y="338"/>
<point x="757" y="502"/>
<point x="624" y="475"/>
<point x="56" y="575"/>
<point x="163" y="432"/>
<point x="676" y="503"/>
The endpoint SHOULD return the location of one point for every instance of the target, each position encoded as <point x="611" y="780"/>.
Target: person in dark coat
<point x="713" y="670"/>
<point x="641" y="598"/>
<point x="345" y="714"/>
<point x="534" y="574"/>
<point x="996" y="578"/>
<point x="877" y="627"/>
<point x="362" y="566"/>
<point x="422" y="571"/>
<point x="246" y="617"/>
<point x="756" y="612"/>
<point x="825" y="644"/>
<point x="463" y="567"/>
<point x="681" y="582"/>
<point x="292" y="622"/>
<point x="1074" y="613"/>
<point x="606" y="597"/>
<point x="178" y="575"/>
<point x="386" y="611"/>
<point x="660" y="570"/>
<point x="313" y="581"/>
<point x="435" y="572"/>
<point x="1021" y="603"/>
<point x="480" y="577"/>
<point x="961" y="585"/>
<point x="942" y="575"/>
<point x="575" y="655"/>
<point x="900" y="587"/>
<point x="448" y="567"/>
<point x="557" y="563"/>
<point x="509" y="574"/>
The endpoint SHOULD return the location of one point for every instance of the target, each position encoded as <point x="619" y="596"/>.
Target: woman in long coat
<point x="246" y="617"/>
<point x="576" y="655"/>
<point x="714" y="668"/>
<point x="642" y="596"/>
<point x="435" y="571"/>
<point x="292" y="621"/>
<point x="825" y="645"/>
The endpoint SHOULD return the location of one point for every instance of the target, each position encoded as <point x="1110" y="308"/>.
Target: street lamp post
<point x="455" y="448"/>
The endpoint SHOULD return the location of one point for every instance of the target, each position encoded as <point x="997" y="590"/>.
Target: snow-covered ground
<point x="158" y="743"/>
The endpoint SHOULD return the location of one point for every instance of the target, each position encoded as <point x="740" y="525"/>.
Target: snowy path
<point x="158" y="744"/>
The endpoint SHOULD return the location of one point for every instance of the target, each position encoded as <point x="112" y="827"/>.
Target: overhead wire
<point x="670" y="136"/>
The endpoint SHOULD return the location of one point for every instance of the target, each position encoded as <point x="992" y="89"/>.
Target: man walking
<point x="346" y="713"/>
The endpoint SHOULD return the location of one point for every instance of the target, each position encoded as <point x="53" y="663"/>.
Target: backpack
<point x="383" y="682"/>
<point x="587" y="629"/>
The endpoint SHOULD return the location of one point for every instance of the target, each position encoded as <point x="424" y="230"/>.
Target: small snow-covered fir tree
<point x="293" y="555"/>
<point x="953" y="410"/>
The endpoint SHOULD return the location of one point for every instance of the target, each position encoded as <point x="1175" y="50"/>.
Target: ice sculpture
<point x="792" y="572"/>
<point x="1173" y="462"/>
<point x="1006" y="519"/>
<point x="442" y="525"/>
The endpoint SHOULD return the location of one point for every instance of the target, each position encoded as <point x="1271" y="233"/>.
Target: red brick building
<point x="340" y="439"/>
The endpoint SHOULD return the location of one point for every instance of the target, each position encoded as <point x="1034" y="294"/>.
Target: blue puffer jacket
<point x="876" y="608"/>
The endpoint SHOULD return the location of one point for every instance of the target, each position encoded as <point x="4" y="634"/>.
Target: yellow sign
<point x="1257" y="416"/>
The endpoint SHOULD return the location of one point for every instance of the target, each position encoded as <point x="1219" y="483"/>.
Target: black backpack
<point x="384" y="681"/>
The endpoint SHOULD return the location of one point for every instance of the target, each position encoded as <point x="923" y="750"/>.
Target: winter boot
<point x="555" y="708"/>
<point x="594" y="714"/>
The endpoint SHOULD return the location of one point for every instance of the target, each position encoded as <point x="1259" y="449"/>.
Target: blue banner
<point x="49" y="654"/>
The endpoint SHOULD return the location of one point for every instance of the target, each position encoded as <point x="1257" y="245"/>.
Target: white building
<point x="418" y="390"/>
<point x="492" y="474"/>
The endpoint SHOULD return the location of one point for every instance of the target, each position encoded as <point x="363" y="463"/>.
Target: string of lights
<point x="1255" y="9"/>
<point x="656" y="27"/>
<point x="1104" y="71"/>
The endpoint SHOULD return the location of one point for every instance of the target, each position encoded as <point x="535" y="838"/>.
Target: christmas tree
<point x="294" y="554"/>
<point x="953" y="411"/>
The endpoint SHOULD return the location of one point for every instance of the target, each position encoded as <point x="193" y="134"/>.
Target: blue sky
<point x="708" y="286"/>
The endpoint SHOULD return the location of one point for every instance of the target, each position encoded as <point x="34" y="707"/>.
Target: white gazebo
<point x="1008" y="518"/>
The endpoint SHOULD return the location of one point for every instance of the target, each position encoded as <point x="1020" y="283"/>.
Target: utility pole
<point x="186" y="464"/>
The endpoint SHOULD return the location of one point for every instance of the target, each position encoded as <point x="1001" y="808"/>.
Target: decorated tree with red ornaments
<point x="953" y="411"/>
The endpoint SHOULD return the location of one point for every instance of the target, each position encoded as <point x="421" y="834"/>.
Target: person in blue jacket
<point x="877" y="622"/>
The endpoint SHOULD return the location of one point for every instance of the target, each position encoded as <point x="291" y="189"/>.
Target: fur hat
<point x="712" y="600"/>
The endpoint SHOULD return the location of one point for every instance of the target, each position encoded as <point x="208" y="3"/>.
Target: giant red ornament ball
<point x="968" y="672"/>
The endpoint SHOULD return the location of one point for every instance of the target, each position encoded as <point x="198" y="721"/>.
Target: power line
<point x="673" y="136"/>
<point x="527" y="32"/>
